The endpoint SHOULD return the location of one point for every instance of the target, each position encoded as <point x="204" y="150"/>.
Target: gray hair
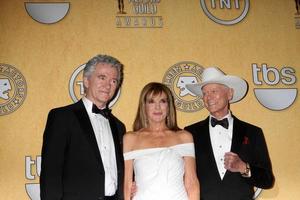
<point x="90" y="66"/>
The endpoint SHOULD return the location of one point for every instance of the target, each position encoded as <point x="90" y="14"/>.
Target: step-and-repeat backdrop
<point x="44" y="46"/>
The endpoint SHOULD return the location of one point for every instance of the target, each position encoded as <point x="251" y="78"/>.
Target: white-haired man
<point x="82" y="154"/>
<point x="231" y="155"/>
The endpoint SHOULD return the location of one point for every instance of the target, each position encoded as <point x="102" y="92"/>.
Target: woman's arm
<point x="128" y="142"/>
<point x="128" y="179"/>
<point x="191" y="181"/>
<point x="190" y="178"/>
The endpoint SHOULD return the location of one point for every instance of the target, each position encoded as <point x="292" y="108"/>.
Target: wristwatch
<point x="247" y="172"/>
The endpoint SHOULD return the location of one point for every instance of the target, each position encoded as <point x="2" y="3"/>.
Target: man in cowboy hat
<point x="231" y="155"/>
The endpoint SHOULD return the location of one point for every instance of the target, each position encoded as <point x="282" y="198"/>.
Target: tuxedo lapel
<point x="87" y="130"/>
<point x="117" y="138"/>
<point x="207" y="140"/>
<point x="237" y="136"/>
<point x="117" y="143"/>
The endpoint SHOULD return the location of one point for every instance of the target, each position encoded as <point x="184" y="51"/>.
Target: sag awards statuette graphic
<point x="177" y="77"/>
<point x="76" y="89"/>
<point x="139" y="14"/>
<point x="13" y="89"/>
<point x="225" y="12"/>
<point x="47" y="13"/>
<point x="297" y="14"/>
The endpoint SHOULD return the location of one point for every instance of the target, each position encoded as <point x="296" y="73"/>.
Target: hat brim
<point x="239" y="86"/>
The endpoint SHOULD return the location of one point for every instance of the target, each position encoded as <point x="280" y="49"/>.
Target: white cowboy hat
<point x="215" y="75"/>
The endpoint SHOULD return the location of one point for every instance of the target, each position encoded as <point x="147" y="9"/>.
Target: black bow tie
<point x="223" y="122"/>
<point x="104" y="112"/>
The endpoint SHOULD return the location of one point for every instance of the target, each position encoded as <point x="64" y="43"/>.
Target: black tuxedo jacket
<point x="71" y="166"/>
<point x="249" y="143"/>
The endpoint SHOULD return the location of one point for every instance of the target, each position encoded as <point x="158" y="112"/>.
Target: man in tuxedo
<point x="231" y="155"/>
<point x="82" y="155"/>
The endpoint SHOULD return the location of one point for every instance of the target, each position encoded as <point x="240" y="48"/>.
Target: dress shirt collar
<point x="88" y="104"/>
<point x="228" y="116"/>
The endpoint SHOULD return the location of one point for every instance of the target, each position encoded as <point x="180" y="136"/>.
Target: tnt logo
<point x="275" y="98"/>
<point x="225" y="12"/>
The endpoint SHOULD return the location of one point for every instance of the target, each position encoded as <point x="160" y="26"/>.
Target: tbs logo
<point x="278" y="97"/>
<point x="32" y="174"/>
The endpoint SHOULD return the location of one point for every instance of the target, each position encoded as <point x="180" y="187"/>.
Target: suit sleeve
<point x="261" y="167"/>
<point x="53" y="151"/>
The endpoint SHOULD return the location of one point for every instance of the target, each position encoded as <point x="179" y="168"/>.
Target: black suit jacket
<point x="71" y="166"/>
<point x="249" y="143"/>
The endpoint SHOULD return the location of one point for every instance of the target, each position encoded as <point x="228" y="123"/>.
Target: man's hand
<point x="233" y="163"/>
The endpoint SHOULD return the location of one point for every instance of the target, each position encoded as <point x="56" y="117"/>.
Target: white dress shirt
<point x="221" y="139"/>
<point x="106" y="146"/>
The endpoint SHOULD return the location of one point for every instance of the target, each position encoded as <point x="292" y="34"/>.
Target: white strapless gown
<point x="159" y="172"/>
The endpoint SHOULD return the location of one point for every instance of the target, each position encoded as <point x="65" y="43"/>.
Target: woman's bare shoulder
<point x="132" y="140"/>
<point x="130" y="135"/>
<point x="185" y="136"/>
<point x="129" y="141"/>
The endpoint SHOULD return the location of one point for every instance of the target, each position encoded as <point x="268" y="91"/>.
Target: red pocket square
<point x="246" y="140"/>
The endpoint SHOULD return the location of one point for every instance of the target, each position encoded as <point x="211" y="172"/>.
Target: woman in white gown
<point x="159" y="157"/>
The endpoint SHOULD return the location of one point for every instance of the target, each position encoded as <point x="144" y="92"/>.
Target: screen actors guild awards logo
<point x="13" y="89"/>
<point x="177" y="77"/>
<point x="141" y="14"/>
